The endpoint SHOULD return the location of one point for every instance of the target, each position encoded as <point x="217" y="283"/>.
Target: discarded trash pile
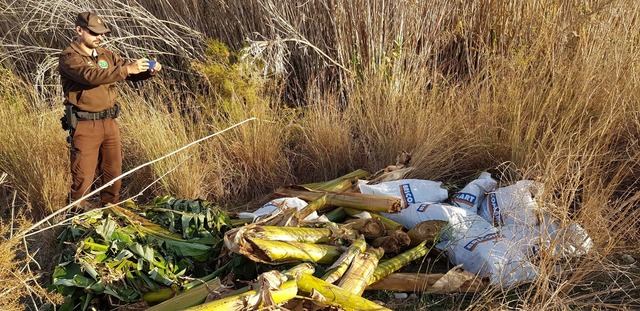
<point x="319" y="244"/>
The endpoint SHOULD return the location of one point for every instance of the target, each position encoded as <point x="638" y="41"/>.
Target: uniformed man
<point x="88" y="75"/>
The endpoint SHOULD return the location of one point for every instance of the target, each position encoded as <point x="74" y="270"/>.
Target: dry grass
<point x="540" y="90"/>
<point x="20" y="273"/>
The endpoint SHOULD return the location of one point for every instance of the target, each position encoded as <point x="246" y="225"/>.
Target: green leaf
<point x="160" y="277"/>
<point x="106" y="229"/>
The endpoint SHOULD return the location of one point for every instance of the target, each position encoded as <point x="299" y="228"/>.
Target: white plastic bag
<point x="548" y="236"/>
<point x="473" y="194"/>
<point x="472" y="241"/>
<point x="512" y="204"/>
<point x="411" y="191"/>
<point x="490" y="254"/>
<point x="417" y="213"/>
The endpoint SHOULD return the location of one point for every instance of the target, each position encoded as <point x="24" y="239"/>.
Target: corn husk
<point x="393" y="242"/>
<point x="341" y="265"/>
<point x="360" y="201"/>
<point x="394" y="264"/>
<point x="361" y="270"/>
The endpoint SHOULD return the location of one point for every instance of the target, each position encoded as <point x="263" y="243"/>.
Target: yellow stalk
<point x="337" y="215"/>
<point x="313" y="206"/>
<point x="394" y="264"/>
<point x="273" y="252"/>
<point x="334" y="295"/>
<point x="360" y="201"/>
<point x="189" y="298"/>
<point x="249" y="300"/>
<point x="421" y="282"/>
<point x="388" y="223"/>
<point x="361" y="270"/>
<point x="289" y="234"/>
<point x="339" y="183"/>
<point x="341" y="265"/>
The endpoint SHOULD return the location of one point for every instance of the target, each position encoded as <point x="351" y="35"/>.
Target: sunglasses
<point x="93" y="33"/>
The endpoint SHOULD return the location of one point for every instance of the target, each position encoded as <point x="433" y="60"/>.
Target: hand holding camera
<point x="154" y="66"/>
<point x="142" y="65"/>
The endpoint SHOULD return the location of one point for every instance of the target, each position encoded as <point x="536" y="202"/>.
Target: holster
<point x="69" y="122"/>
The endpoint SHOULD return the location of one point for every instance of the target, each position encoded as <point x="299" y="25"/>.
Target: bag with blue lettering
<point x="512" y="204"/>
<point x="490" y="253"/>
<point x="410" y="191"/>
<point x="455" y="216"/>
<point x="470" y="240"/>
<point x="472" y="195"/>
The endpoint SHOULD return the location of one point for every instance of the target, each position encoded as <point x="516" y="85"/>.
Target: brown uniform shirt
<point x="88" y="82"/>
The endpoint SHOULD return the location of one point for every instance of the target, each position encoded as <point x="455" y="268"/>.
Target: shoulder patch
<point x="103" y="64"/>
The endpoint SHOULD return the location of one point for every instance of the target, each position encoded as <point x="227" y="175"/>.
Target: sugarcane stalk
<point x="360" y="201"/>
<point x="341" y="265"/>
<point x="337" y="215"/>
<point x="424" y="283"/>
<point x="305" y="268"/>
<point x="188" y="298"/>
<point x="388" y="223"/>
<point x="240" y="222"/>
<point x="394" y="264"/>
<point x="361" y="270"/>
<point x="393" y="242"/>
<point x="427" y="231"/>
<point x="289" y="234"/>
<point x="339" y="183"/>
<point x="371" y="228"/>
<point x="313" y="206"/>
<point x="248" y="300"/>
<point x="273" y="252"/>
<point x="334" y="295"/>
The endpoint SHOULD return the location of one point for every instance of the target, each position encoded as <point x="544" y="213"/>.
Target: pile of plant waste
<point x="123" y="254"/>
<point x="315" y="245"/>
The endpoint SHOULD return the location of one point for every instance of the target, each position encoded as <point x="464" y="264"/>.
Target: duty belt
<point x="86" y="115"/>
